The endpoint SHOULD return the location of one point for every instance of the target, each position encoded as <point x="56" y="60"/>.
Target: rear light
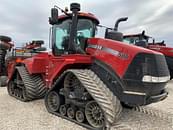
<point x="153" y="79"/>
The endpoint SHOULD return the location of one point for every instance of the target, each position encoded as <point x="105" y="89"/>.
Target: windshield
<point x="85" y="29"/>
<point x="134" y="40"/>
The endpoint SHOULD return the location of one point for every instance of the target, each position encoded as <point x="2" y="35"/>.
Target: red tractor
<point x="15" y="55"/>
<point x="148" y="42"/>
<point x="87" y="78"/>
<point x="27" y="51"/>
<point x="34" y="45"/>
<point x="5" y="45"/>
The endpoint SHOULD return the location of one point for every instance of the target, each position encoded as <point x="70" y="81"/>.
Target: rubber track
<point x="148" y="111"/>
<point x="155" y="113"/>
<point x="34" y="85"/>
<point x="99" y="91"/>
<point x="96" y="87"/>
<point x="121" y="126"/>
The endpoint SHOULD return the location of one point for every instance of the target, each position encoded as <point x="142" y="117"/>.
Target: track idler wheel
<point x="53" y="101"/>
<point x="94" y="114"/>
<point x="80" y="116"/>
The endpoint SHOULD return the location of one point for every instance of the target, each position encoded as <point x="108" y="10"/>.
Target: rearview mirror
<point x="54" y="16"/>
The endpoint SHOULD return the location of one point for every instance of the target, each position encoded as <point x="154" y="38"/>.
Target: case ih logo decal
<point x="109" y="50"/>
<point x="123" y="55"/>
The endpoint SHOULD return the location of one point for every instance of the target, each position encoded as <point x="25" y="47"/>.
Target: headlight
<point x="152" y="79"/>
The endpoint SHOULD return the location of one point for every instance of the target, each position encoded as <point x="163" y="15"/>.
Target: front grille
<point x="147" y="64"/>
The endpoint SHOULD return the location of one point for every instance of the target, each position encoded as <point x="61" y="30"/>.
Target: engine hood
<point x="117" y="55"/>
<point x="120" y="46"/>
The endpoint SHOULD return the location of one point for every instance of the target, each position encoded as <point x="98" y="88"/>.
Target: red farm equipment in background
<point x="148" y="42"/>
<point x="5" y="45"/>
<point x="87" y="78"/>
<point x="18" y="54"/>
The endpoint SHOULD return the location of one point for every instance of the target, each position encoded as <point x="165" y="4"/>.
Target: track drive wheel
<point x="94" y="114"/>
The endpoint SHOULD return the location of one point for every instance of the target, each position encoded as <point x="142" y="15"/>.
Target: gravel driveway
<point x="16" y="115"/>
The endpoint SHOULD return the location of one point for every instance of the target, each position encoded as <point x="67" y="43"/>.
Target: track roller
<point x="71" y="112"/>
<point x="80" y="116"/>
<point x="63" y="110"/>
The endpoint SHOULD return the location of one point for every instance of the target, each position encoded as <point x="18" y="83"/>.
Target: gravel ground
<point x="16" y="115"/>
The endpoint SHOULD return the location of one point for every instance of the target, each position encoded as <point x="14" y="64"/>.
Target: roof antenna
<point x="63" y="11"/>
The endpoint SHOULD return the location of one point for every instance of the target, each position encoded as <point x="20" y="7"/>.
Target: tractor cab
<point x="137" y="39"/>
<point x="69" y="32"/>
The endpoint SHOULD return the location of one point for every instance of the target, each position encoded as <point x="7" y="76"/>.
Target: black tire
<point x="3" y="81"/>
<point x="5" y="38"/>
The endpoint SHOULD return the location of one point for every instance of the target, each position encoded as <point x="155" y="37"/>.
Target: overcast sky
<point x="26" y="20"/>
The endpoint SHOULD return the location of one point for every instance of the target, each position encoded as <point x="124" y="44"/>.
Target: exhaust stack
<point x="118" y="21"/>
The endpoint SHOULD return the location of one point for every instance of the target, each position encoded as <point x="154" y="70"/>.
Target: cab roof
<point x="80" y="15"/>
<point x="137" y="35"/>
